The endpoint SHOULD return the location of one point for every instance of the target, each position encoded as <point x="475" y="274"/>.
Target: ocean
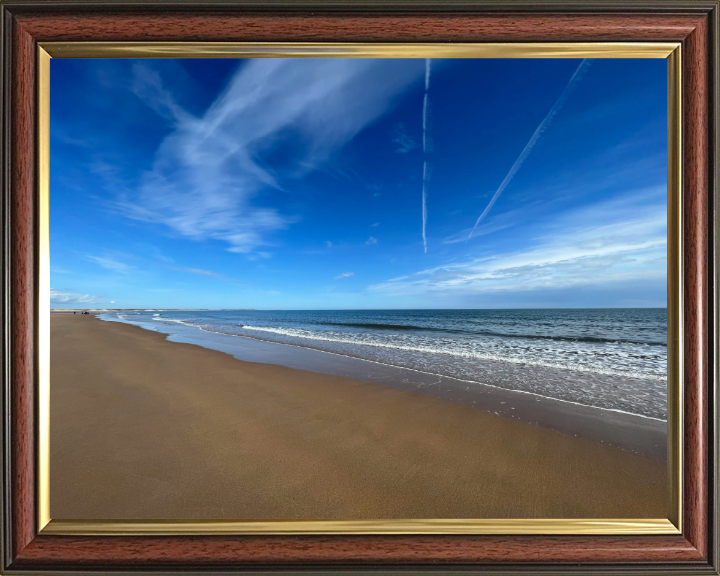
<point x="613" y="359"/>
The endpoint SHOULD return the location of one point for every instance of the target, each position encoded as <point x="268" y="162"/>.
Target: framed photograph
<point x="294" y="287"/>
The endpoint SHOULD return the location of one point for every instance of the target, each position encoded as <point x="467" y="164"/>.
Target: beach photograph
<point x="358" y="289"/>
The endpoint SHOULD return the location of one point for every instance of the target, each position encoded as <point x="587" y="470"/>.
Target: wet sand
<point x="630" y="432"/>
<point x="143" y="428"/>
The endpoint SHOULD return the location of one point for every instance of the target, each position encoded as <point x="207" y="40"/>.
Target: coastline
<point x="630" y="432"/>
<point x="143" y="427"/>
<point x="589" y="357"/>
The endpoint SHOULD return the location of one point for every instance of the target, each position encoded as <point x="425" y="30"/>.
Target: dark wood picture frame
<point x="693" y="23"/>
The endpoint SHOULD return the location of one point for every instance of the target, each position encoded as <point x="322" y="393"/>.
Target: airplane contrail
<point x="574" y="79"/>
<point x="425" y="102"/>
<point x="424" y="207"/>
<point x="425" y="151"/>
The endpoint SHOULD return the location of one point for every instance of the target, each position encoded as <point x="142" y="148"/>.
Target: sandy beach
<point x="144" y="428"/>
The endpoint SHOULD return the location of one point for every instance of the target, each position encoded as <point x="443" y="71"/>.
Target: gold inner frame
<point x="668" y="50"/>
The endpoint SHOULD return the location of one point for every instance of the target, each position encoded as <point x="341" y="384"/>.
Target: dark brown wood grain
<point x="358" y="27"/>
<point x="695" y="239"/>
<point x="689" y="552"/>
<point x="224" y="551"/>
<point x="23" y="291"/>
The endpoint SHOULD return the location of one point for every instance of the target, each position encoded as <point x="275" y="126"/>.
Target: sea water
<point x="608" y="358"/>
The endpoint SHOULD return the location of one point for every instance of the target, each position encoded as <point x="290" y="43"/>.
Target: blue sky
<point x="299" y="184"/>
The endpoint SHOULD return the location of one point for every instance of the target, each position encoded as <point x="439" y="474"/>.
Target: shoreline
<point x="622" y="387"/>
<point x="472" y="382"/>
<point x="634" y="433"/>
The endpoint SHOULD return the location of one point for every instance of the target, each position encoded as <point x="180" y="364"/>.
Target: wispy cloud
<point x="574" y="79"/>
<point x="157" y="253"/>
<point x="202" y="272"/>
<point x="208" y="171"/>
<point x="598" y="253"/>
<point x="344" y="275"/>
<point x="197" y="271"/>
<point x="405" y="142"/>
<point x="61" y="297"/>
<point x="259" y="255"/>
<point x="372" y="240"/>
<point x="148" y="86"/>
<point x="497" y="222"/>
<point x="61" y="135"/>
<point x="111" y="264"/>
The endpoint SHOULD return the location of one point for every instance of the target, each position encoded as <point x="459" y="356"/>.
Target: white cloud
<point x="405" y="142"/>
<point x="148" y="86"/>
<point x="372" y="240"/>
<point x="344" y="275"/>
<point x="197" y="271"/>
<point x="598" y="253"/>
<point x="111" y="264"/>
<point x="207" y="173"/>
<point x="493" y="224"/>
<point x="258" y="255"/>
<point x="58" y="297"/>
<point x="328" y="243"/>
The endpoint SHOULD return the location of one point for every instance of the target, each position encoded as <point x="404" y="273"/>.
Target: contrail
<point x="424" y="207"/>
<point x="575" y="78"/>
<point x="425" y="151"/>
<point x="425" y="102"/>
